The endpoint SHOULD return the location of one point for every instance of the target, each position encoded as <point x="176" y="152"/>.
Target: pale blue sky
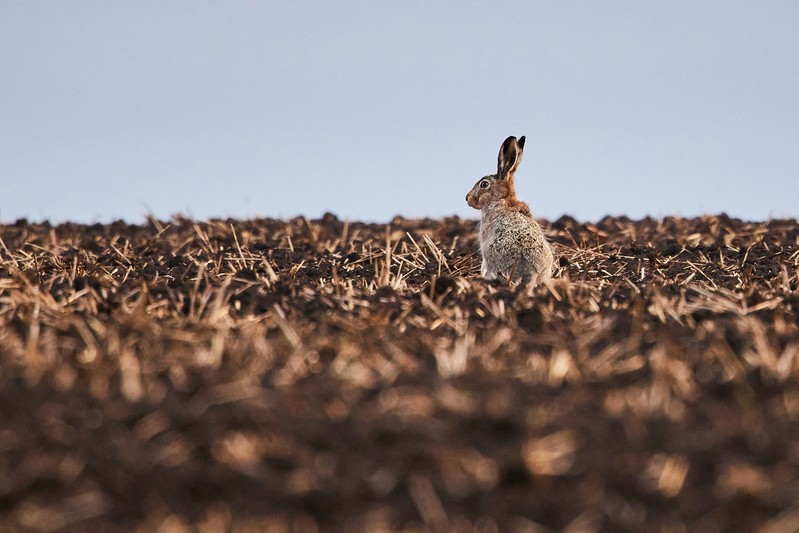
<point x="112" y="109"/>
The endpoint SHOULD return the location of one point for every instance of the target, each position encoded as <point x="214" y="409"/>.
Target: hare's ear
<point x="510" y="155"/>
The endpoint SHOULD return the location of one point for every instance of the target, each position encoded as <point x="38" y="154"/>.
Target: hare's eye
<point x="484" y="185"/>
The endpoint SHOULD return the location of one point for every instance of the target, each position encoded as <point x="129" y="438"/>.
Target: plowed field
<point x="320" y="375"/>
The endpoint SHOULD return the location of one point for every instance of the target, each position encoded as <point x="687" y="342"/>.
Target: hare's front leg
<point x="486" y="272"/>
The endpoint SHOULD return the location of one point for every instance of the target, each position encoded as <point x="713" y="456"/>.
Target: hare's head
<point x="495" y="187"/>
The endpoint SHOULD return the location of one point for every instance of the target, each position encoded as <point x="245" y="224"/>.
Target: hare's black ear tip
<point x="521" y="141"/>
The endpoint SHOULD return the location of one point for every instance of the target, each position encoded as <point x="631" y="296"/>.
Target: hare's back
<point x="520" y="231"/>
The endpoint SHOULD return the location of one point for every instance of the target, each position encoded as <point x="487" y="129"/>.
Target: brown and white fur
<point x="511" y="241"/>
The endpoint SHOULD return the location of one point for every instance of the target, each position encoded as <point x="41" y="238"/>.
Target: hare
<point x="511" y="241"/>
